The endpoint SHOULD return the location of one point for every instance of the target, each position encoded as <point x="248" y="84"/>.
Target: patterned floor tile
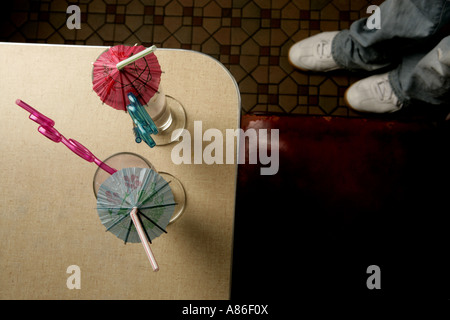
<point x="250" y="37"/>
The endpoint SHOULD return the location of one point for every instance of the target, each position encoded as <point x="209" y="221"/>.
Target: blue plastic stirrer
<point x="144" y="125"/>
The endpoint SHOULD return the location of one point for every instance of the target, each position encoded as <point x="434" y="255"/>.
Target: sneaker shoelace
<point x="386" y="93"/>
<point x="324" y="49"/>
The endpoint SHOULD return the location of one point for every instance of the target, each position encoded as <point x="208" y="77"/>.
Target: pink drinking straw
<point x="46" y="128"/>
<point x="140" y="229"/>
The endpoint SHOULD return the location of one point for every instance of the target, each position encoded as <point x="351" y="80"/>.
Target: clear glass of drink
<point x="168" y="115"/>
<point x="122" y="160"/>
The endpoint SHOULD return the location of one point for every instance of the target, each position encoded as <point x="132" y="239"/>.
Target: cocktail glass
<point x="128" y="160"/>
<point x="168" y="114"/>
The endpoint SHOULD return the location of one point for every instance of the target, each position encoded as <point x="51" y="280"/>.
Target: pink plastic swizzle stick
<point x="46" y="128"/>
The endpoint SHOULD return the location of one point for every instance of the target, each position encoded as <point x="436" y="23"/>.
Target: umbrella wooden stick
<point x="142" y="236"/>
<point x="135" y="57"/>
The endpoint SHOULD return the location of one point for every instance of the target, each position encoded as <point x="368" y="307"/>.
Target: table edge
<point x="236" y="85"/>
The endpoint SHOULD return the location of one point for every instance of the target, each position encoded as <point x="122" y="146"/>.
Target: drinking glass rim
<point x="117" y="154"/>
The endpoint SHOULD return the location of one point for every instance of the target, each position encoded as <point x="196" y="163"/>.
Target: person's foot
<point x="314" y="53"/>
<point x="373" y="94"/>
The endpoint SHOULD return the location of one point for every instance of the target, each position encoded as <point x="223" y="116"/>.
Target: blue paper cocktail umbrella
<point x="136" y="204"/>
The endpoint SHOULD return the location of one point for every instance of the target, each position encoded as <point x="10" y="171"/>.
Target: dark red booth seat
<point x="349" y="193"/>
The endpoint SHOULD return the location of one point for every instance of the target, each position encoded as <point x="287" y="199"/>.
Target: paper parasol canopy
<point x="124" y="69"/>
<point x="136" y="204"/>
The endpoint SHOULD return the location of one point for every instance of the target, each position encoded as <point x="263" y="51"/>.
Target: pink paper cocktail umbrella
<point x="126" y="69"/>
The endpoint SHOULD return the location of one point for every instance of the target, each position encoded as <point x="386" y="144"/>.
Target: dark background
<point x="352" y="190"/>
<point x="350" y="193"/>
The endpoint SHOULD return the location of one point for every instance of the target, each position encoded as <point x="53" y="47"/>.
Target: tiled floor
<point x="250" y="37"/>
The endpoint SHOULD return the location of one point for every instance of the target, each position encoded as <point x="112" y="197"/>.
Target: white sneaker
<point x="314" y="53"/>
<point x="373" y="94"/>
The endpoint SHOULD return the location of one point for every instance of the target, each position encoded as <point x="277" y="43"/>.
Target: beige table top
<point x="48" y="218"/>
